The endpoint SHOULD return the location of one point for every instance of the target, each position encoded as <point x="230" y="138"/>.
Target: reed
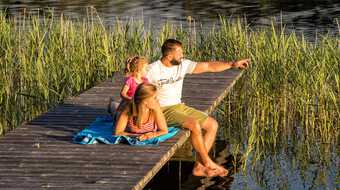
<point x="46" y="59"/>
<point x="292" y="83"/>
<point x="289" y="96"/>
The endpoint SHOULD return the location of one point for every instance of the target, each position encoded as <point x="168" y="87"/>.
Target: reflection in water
<point x="301" y="15"/>
<point x="289" y="156"/>
<point x="300" y="163"/>
<point x="177" y="174"/>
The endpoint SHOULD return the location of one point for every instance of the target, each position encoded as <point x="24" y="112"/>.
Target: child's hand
<point x="146" y="136"/>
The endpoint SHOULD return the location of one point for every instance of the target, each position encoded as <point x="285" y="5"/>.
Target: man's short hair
<point x="170" y="45"/>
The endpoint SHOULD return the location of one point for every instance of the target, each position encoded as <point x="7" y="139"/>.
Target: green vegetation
<point x="292" y="84"/>
<point x="288" y="97"/>
<point x="290" y="92"/>
<point x="283" y="115"/>
<point x="44" y="60"/>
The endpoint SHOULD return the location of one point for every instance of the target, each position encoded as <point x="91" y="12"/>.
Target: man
<point x="168" y="74"/>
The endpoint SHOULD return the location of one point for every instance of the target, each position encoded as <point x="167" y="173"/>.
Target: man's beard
<point x="175" y="62"/>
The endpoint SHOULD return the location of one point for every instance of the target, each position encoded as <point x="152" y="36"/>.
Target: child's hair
<point x="143" y="91"/>
<point x="135" y="64"/>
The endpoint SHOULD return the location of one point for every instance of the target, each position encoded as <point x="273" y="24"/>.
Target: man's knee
<point x="192" y="124"/>
<point x="210" y="124"/>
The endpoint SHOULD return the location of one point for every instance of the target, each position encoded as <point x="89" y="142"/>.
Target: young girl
<point x="142" y="117"/>
<point x="134" y="70"/>
<point x="135" y="74"/>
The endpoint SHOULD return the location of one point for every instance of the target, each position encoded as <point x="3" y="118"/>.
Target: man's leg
<point x="204" y="165"/>
<point x="193" y="120"/>
<point x="208" y="124"/>
<point x="210" y="127"/>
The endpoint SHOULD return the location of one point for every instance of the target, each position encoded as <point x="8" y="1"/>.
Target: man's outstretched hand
<point x="241" y="64"/>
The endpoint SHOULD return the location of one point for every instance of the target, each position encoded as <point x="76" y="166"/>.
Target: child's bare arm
<point x="161" y="124"/>
<point x="122" y="123"/>
<point x="124" y="91"/>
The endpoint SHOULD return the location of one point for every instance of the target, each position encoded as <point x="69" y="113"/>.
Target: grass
<point x="288" y="100"/>
<point x="292" y="86"/>
<point x="46" y="59"/>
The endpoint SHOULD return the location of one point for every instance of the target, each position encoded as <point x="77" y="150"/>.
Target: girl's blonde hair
<point x="135" y="64"/>
<point x="143" y="91"/>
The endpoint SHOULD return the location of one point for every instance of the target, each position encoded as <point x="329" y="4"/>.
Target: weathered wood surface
<point x="40" y="154"/>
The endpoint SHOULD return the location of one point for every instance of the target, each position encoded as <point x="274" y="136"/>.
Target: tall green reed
<point x="291" y="87"/>
<point x="45" y="59"/>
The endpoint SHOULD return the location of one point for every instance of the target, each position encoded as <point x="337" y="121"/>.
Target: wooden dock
<point x="40" y="154"/>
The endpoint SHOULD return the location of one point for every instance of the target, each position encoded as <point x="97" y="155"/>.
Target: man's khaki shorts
<point x="178" y="113"/>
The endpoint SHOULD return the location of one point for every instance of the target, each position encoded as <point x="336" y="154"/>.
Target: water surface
<point x="303" y="16"/>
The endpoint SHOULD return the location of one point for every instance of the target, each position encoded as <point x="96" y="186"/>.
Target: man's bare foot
<point x="212" y="166"/>
<point x="222" y="171"/>
<point x="200" y="170"/>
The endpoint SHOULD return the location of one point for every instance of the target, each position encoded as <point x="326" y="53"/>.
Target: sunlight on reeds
<point x="289" y="97"/>
<point x="290" y="91"/>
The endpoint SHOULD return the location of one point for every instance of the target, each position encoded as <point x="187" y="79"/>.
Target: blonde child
<point x="142" y="116"/>
<point x="135" y="71"/>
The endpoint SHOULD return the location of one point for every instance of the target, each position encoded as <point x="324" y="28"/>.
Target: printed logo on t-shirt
<point x="171" y="80"/>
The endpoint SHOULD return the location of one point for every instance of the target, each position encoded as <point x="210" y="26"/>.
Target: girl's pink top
<point x="149" y="126"/>
<point x="132" y="84"/>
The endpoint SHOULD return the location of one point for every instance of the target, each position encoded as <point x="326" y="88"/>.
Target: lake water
<point x="297" y="162"/>
<point x="303" y="16"/>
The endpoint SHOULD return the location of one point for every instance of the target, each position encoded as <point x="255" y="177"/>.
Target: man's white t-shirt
<point x="169" y="80"/>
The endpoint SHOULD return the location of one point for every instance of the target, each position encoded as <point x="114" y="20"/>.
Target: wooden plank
<point x="41" y="154"/>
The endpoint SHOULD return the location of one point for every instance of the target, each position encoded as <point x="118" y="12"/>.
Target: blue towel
<point x="100" y="131"/>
